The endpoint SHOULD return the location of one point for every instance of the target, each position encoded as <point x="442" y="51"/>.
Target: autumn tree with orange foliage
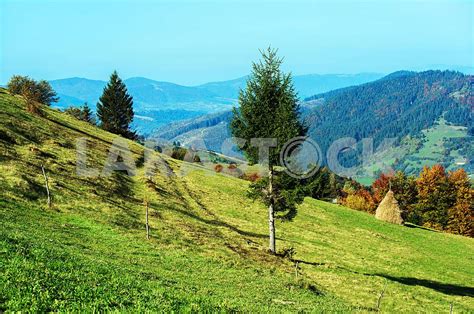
<point x="403" y="187"/>
<point x="381" y="186"/>
<point x="461" y="215"/>
<point x="435" y="197"/>
<point x="357" y="197"/>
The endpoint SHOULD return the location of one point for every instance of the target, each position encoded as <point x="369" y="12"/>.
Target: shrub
<point x="252" y="177"/>
<point x="4" y="136"/>
<point x="82" y="113"/>
<point x="178" y="153"/>
<point x="218" y="168"/>
<point x="323" y="184"/>
<point x="358" y="202"/>
<point x="288" y="253"/>
<point x="34" y="91"/>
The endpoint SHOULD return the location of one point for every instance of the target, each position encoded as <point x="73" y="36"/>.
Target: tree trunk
<point x="271" y="212"/>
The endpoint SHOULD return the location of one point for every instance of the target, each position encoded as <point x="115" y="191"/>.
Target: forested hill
<point x="398" y="105"/>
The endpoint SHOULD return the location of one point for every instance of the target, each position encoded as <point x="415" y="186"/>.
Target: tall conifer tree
<point x="269" y="109"/>
<point x="115" y="108"/>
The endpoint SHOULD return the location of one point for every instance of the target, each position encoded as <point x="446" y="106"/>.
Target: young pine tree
<point x="83" y="113"/>
<point x="115" y="108"/>
<point x="86" y="114"/>
<point x="269" y="109"/>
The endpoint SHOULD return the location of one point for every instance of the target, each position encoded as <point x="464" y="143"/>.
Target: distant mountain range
<point x="429" y="113"/>
<point x="157" y="103"/>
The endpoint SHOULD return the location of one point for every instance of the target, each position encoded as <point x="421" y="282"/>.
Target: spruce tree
<point x="115" y="108"/>
<point x="269" y="109"/>
<point x="86" y="114"/>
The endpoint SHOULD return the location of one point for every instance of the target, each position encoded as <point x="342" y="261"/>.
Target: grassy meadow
<point x="207" y="250"/>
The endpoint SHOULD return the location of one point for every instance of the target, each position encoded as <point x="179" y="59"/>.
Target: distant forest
<point x="401" y="104"/>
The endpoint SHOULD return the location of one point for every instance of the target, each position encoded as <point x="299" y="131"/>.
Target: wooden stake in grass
<point x="47" y="185"/>
<point x="379" y="300"/>
<point x="147" y="226"/>
<point x="296" y="269"/>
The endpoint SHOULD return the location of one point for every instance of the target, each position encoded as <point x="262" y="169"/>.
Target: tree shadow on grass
<point x="445" y="288"/>
<point x="410" y="225"/>
<point x="295" y="260"/>
<point x="73" y="128"/>
<point x="219" y="223"/>
<point x="449" y="289"/>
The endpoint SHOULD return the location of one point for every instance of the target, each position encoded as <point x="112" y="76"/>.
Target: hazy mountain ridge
<point x="214" y="96"/>
<point x="148" y="94"/>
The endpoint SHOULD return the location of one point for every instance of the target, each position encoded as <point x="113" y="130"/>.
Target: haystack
<point x="388" y="210"/>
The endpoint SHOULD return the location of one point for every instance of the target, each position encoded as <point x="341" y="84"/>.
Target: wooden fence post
<point x="146" y="221"/>
<point x="379" y="300"/>
<point x="47" y="185"/>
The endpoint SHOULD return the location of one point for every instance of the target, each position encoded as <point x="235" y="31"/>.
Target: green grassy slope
<point x="207" y="249"/>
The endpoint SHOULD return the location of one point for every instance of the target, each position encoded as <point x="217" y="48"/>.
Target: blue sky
<point x="192" y="42"/>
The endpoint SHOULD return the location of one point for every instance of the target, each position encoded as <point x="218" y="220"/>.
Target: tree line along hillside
<point x="436" y="198"/>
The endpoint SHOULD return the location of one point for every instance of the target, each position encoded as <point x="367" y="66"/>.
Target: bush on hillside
<point x="185" y="154"/>
<point x="324" y="184"/>
<point x="82" y="113"/>
<point x="34" y="91"/>
<point x="359" y="201"/>
<point x="9" y="139"/>
<point x="178" y="153"/>
<point x="218" y="168"/>
<point x="252" y="177"/>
